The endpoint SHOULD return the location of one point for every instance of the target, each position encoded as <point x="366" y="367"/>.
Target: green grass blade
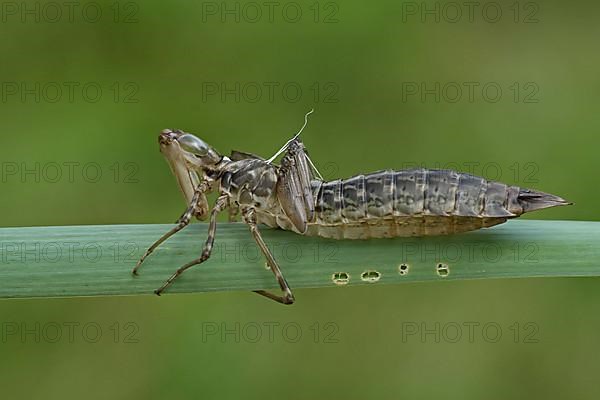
<point x="97" y="260"/>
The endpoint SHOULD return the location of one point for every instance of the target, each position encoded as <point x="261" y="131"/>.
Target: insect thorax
<point x="251" y="183"/>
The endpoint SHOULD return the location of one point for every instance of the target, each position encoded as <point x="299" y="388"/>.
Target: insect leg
<point x="212" y="227"/>
<point x="288" y="297"/>
<point x="182" y="222"/>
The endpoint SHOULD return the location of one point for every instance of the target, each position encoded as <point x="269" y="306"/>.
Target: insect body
<point x="416" y="202"/>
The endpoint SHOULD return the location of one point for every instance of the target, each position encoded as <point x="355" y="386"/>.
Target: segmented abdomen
<point x="410" y="203"/>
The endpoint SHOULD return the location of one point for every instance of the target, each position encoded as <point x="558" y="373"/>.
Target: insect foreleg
<point x="182" y="222"/>
<point x="212" y="228"/>
<point x="288" y="297"/>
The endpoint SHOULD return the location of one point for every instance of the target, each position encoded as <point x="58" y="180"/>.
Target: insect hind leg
<point x="287" y="298"/>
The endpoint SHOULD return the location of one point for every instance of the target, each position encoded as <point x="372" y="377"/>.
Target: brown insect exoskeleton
<point x="293" y="196"/>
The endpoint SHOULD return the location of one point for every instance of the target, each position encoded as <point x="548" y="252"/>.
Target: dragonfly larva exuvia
<point x="293" y="196"/>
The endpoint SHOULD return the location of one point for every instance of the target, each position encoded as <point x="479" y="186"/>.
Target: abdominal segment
<point x="416" y="202"/>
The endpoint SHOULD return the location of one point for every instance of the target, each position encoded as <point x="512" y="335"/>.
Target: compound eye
<point x="192" y="144"/>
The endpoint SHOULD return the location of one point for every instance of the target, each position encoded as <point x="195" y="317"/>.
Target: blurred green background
<point x="370" y="70"/>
